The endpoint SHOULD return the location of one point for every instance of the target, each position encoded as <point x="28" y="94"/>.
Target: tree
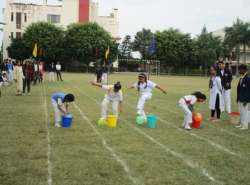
<point x="142" y="43"/>
<point x="46" y="35"/>
<point x="82" y="39"/>
<point x="237" y="36"/>
<point x="125" y="49"/>
<point x="17" y="49"/>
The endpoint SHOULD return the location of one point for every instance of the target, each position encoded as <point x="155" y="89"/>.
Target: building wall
<point x="69" y="13"/>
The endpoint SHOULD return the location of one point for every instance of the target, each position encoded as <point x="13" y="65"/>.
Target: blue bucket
<point x="67" y="120"/>
<point x="151" y="121"/>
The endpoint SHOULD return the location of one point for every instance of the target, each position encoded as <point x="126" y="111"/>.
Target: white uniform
<point x="145" y="95"/>
<point x="214" y="91"/>
<point x="113" y="97"/>
<point x="184" y="106"/>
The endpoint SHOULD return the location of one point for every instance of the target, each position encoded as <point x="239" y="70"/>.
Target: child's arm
<point x="67" y="107"/>
<point x="191" y="108"/>
<point x="132" y="87"/>
<point x="96" y="84"/>
<point x="120" y="106"/>
<point x="158" y="87"/>
<point x="65" y="113"/>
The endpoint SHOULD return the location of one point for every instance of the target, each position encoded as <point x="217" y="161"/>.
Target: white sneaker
<point x="139" y="112"/>
<point x="238" y="126"/>
<point x="183" y="125"/>
<point x="57" y="125"/>
<point x="23" y="94"/>
<point x="243" y="128"/>
<point x="188" y="127"/>
<point x="28" y="93"/>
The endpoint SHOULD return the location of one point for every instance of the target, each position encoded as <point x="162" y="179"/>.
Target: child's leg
<point x="24" y="86"/>
<point x="217" y="106"/>
<point x="105" y="103"/>
<point x="115" y="108"/>
<point x="57" y="111"/>
<point x="141" y="104"/>
<point x="212" y="113"/>
<point x="188" y="114"/>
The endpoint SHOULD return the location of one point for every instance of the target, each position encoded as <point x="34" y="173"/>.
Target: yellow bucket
<point x="111" y="119"/>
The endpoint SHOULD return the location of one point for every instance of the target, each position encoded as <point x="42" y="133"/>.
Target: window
<point x="18" y="20"/>
<point x="53" y="18"/>
<point x="12" y="17"/>
<point x="25" y="17"/>
<point x="11" y="36"/>
<point x="18" y="34"/>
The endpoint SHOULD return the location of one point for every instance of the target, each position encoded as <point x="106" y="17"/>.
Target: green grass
<point x="31" y="146"/>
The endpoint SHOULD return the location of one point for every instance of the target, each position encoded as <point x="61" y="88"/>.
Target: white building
<point x="18" y="16"/>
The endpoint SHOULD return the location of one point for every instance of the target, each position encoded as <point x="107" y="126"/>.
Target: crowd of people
<point x="26" y="74"/>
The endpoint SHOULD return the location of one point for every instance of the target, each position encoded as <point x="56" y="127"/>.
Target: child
<point x="145" y="87"/>
<point x="41" y="71"/>
<point x="5" y="80"/>
<point x="243" y="96"/>
<point x="186" y="104"/>
<point x="114" y="95"/>
<point x="98" y="73"/>
<point x="57" y="101"/>
<point x="215" y="95"/>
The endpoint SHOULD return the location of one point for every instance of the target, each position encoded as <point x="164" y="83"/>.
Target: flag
<point x="35" y="51"/>
<point x="95" y="51"/>
<point x="152" y="46"/>
<point x="41" y="51"/>
<point x="107" y="52"/>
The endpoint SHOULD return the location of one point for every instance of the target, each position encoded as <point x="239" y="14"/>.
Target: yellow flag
<point x="107" y="52"/>
<point x="35" y="51"/>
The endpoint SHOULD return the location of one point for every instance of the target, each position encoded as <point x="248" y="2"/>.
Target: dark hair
<point x="118" y="85"/>
<point x="199" y="95"/>
<point x="142" y="75"/>
<point x="70" y="97"/>
<point x="242" y="66"/>
<point x="220" y="62"/>
<point x="215" y="68"/>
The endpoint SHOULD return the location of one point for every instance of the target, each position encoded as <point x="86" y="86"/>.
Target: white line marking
<point x="48" y="138"/>
<point x="126" y="168"/>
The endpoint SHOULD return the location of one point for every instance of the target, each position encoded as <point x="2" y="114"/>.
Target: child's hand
<point x="194" y="113"/>
<point x="164" y="91"/>
<point x="121" y="110"/>
<point x="129" y="88"/>
<point x="236" y="101"/>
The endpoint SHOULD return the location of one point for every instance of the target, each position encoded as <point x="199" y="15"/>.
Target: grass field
<point x="34" y="151"/>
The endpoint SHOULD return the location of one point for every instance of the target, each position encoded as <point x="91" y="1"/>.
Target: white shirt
<point x="58" y="67"/>
<point x="222" y="72"/>
<point x="59" y="102"/>
<point x="149" y="84"/>
<point x="112" y="95"/>
<point x="191" y="98"/>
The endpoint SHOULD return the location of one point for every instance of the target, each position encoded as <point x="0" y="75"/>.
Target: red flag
<point x="41" y="51"/>
<point x="95" y="51"/>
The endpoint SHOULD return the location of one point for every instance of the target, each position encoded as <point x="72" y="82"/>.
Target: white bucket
<point x="235" y="118"/>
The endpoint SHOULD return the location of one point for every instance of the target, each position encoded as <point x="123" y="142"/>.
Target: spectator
<point x="4" y="67"/>
<point x="58" y="71"/>
<point x="10" y="71"/>
<point x="27" y="72"/>
<point x="105" y="72"/>
<point x="41" y="71"/>
<point x="51" y="71"/>
<point x="98" y="73"/>
<point x="35" y="71"/>
<point x="5" y="80"/>
<point x="18" y="79"/>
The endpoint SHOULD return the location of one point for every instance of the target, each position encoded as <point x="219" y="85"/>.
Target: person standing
<point x="105" y="72"/>
<point x="41" y="71"/>
<point x="35" y="71"/>
<point x="51" y="71"/>
<point x="27" y="72"/>
<point x="98" y="73"/>
<point x="226" y="79"/>
<point x="4" y="67"/>
<point x="18" y="79"/>
<point x="243" y="96"/>
<point x="10" y="70"/>
<point x="215" y="94"/>
<point x="58" y="71"/>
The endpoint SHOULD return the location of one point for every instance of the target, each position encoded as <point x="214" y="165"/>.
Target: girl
<point x="41" y="70"/>
<point x="114" y="95"/>
<point x="145" y="87"/>
<point x="27" y="73"/>
<point x="186" y="104"/>
<point x="215" y="95"/>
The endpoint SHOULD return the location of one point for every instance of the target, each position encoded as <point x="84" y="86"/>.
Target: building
<point x="232" y="62"/>
<point x="18" y="16"/>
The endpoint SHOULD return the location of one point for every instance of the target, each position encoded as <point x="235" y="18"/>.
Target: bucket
<point x="67" y="120"/>
<point x="235" y="118"/>
<point x="111" y="119"/>
<point x="195" y="124"/>
<point x="151" y="121"/>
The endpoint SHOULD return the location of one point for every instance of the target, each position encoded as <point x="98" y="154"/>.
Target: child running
<point x="57" y="101"/>
<point x="145" y="87"/>
<point x="186" y="104"/>
<point x="215" y="94"/>
<point x="114" y="95"/>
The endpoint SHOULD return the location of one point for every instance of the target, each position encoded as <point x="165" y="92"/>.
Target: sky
<point x="189" y="16"/>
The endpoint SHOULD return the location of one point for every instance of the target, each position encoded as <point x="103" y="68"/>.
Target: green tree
<point x="18" y="50"/>
<point x="142" y="43"/>
<point x="82" y="39"/>
<point x="237" y="36"/>
<point x="47" y="36"/>
<point x="125" y="49"/>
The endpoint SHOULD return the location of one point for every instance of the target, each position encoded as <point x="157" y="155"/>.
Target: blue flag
<point x="152" y="46"/>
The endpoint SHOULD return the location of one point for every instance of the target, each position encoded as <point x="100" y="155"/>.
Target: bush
<point x="121" y="69"/>
<point x="80" y="69"/>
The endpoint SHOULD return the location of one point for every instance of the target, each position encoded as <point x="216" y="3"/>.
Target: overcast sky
<point x="187" y="15"/>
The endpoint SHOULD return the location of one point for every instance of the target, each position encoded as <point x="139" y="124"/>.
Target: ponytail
<point x="199" y="95"/>
<point x="118" y="85"/>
